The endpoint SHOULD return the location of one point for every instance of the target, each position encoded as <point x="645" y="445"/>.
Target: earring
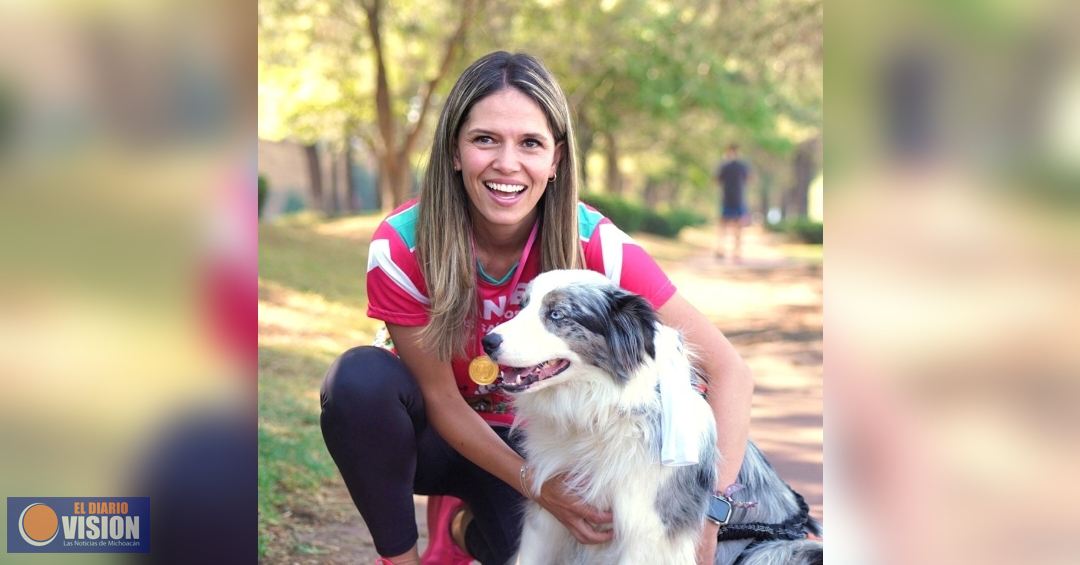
<point x="552" y="177"/>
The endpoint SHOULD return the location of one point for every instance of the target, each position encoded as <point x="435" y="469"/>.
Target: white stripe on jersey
<point x="379" y="256"/>
<point x="611" y="243"/>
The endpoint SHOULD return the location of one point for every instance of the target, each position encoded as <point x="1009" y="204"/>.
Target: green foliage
<point x="659" y="224"/>
<point x="803" y="229"/>
<point x="809" y="231"/>
<point x="776" y="227"/>
<point x="670" y="83"/>
<point x="670" y="223"/>
<point x="687" y="218"/>
<point x="632" y="217"/>
<point x="264" y="187"/>
<point x="627" y="215"/>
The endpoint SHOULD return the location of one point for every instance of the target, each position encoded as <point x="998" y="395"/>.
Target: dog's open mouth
<point x="517" y="379"/>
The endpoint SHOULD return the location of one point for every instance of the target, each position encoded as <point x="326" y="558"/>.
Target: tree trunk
<point x="651" y="193"/>
<point x="311" y="152"/>
<point x="584" y="140"/>
<point x="611" y="153"/>
<point x="804" y="168"/>
<point x="398" y="181"/>
<point x="333" y="203"/>
<point x="671" y="191"/>
<point x="348" y="201"/>
<point x="764" y="183"/>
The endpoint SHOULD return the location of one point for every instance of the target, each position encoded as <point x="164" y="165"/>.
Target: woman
<point x="498" y="206"/>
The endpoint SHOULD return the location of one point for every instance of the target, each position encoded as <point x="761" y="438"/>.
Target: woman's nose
<point x="507" y="160"/>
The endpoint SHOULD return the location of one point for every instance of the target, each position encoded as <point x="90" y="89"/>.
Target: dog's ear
<point x="631" y="332"/>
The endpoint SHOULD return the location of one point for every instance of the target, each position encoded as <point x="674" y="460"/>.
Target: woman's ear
<point x="559" y="148"/>
<point x="457" y="162"/>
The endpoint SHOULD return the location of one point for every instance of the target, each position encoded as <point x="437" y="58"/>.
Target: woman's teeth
<point x="508" y="188"/>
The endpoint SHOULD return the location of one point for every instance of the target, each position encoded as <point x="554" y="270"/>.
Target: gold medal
<point x="482" y="370"/>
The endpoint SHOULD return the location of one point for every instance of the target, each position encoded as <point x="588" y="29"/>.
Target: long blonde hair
<point x="444" y="227"/>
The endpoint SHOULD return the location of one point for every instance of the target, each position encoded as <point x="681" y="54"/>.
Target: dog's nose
<point x="491" y="343"/>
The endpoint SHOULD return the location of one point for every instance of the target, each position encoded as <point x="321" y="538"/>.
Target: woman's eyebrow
<point x="485" y="131"/>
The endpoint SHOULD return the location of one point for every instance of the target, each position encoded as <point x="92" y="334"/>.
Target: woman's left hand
<point x="706" y="546"/>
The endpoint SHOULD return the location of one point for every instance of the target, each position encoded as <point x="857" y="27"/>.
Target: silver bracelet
<point x="524" y="482"/>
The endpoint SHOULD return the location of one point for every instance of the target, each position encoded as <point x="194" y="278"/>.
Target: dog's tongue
<point x="516" y="379"/>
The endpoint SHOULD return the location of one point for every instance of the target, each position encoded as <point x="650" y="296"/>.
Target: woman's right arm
<point x="467" y="432"/>
<point x="452" y="417"/>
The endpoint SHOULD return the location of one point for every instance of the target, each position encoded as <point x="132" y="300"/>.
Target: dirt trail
<point x="769" y="306"/>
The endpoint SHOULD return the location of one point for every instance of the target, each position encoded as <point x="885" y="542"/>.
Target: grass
<point x="311" y="309"/>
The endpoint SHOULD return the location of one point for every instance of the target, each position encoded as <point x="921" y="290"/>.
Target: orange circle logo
<point x="38" y="524"/>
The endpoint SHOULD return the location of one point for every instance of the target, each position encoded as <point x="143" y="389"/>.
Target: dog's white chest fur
<point x="610" y="450"/>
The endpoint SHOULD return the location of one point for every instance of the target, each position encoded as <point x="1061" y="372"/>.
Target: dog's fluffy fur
<point x="583" y="358"/>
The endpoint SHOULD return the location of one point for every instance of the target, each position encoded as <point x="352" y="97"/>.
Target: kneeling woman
<point x="498" y="205"/>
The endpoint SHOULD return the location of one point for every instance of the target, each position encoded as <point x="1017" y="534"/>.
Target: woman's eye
<point x="532" y="144"/>
<point x="484" y="139"/>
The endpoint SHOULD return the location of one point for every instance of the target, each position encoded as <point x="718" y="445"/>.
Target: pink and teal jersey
<point x="397" y="293"/>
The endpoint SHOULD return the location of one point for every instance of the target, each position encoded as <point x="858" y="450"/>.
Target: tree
<point x="338" y="70"/>
<point x="395" y="178"/>
<point x="805" y="165"/>
<point x="665" y="86"/>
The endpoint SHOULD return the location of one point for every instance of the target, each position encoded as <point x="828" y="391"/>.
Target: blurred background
<point x="129" y="253"/>
<point x="952" y="358"/>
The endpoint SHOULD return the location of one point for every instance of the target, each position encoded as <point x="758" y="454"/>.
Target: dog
<point x="584" y="359"/>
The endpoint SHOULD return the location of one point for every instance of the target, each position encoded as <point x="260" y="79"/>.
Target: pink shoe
<point x="441" y="549"/>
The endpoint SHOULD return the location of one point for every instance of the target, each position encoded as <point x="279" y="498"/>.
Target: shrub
<point x="631" y="217"/>
<point x="687" y="218"/>
<point x="626" y="215"/>
<point x="660" y="224"/>
<point x="803" y="229"/>
<point x="776" y="227"/>
<point x="809" y="231"/>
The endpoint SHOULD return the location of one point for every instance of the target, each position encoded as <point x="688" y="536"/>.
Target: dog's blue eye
<point x="555" y="314"/>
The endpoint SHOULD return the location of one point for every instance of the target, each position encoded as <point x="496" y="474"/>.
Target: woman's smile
<point x="506" y="193"/>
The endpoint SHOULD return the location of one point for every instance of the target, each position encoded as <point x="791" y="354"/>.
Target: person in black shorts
<point x="733" y="175"/>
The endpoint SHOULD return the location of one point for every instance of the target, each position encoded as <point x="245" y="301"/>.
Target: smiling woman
<point x="498" y="206"/>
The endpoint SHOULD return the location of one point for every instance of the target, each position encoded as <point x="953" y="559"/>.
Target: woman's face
<point x="506" y="153"/>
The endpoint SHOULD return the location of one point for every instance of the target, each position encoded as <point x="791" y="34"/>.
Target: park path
<point x="769" y="306"/>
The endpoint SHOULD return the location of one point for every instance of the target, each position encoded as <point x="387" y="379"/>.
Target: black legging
<point x="375" y="427"/>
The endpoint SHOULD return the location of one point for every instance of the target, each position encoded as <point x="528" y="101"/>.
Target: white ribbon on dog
<point x="680" y="438"/>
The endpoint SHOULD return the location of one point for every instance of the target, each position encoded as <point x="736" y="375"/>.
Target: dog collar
<point x="792" y="528"/>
